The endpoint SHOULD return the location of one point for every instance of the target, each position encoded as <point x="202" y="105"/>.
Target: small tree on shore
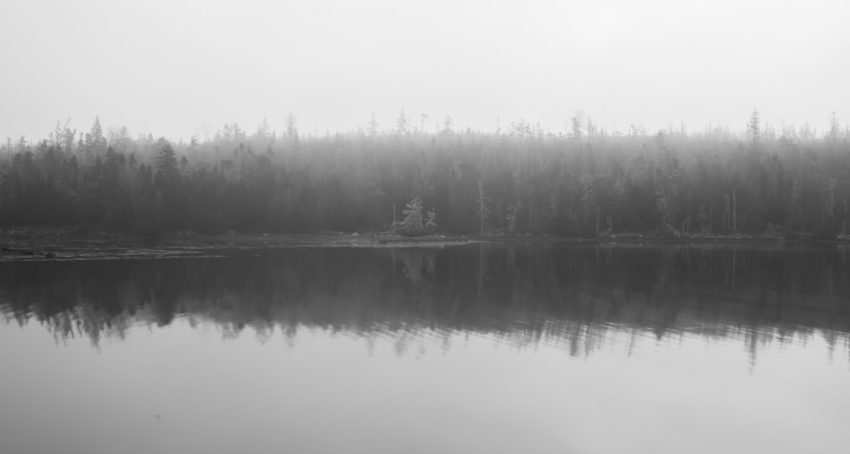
<point x="415" y="223"/>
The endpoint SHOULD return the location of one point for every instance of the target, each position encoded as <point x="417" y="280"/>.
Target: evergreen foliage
<point x="414" y="222"/>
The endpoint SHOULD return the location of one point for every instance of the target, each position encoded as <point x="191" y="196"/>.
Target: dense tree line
<point x="519" y="180"/>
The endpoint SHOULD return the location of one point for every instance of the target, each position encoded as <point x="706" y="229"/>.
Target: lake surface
<point x="474" y="349"/>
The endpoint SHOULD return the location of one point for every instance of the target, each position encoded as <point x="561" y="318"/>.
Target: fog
<point x="186" y="69"/>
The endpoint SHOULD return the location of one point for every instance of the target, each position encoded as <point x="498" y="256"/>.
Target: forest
<point x="520" y="179"/>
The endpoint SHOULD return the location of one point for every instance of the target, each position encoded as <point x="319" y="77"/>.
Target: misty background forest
<point x="518" y="180"/>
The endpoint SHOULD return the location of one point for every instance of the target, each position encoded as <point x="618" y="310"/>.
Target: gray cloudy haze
<point x="180" y="69"/>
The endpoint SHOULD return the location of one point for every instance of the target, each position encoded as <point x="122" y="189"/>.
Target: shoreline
<point x="29" y="244"/>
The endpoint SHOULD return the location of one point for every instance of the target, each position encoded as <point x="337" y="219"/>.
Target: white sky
<point x="182" y="69"/>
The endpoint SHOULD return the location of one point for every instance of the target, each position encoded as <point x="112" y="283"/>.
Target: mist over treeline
<point x="519" y="179"/>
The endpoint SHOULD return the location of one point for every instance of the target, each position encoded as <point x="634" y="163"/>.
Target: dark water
<point x="473" y="349"/>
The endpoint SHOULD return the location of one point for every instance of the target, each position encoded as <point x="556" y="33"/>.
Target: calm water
<point x="459" y="350"/>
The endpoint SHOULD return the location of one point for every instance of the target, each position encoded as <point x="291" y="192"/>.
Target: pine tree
<point x="373" y="125"/>
<point x="166" y="163"/>
<point x="754" y="126"/>
<point x="95" y="142"/>
<point x="402" y="123"/>
<point x="413" y="224"/>
<point x="577" y="126"/>
<point x="448" y="125"/>
<point x="834" y="129"/>
<point x="291" y="126"/>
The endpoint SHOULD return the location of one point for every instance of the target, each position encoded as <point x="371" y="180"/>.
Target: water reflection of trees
<point x="578" y="296"/>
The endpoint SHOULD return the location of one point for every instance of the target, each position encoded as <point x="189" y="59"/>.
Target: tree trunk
<point x="481" y="208"/>
<point x="734" y="211"/>
<point x="597" y="220"/>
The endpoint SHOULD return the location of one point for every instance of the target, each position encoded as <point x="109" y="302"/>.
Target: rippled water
<point x="471" y="349"/>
